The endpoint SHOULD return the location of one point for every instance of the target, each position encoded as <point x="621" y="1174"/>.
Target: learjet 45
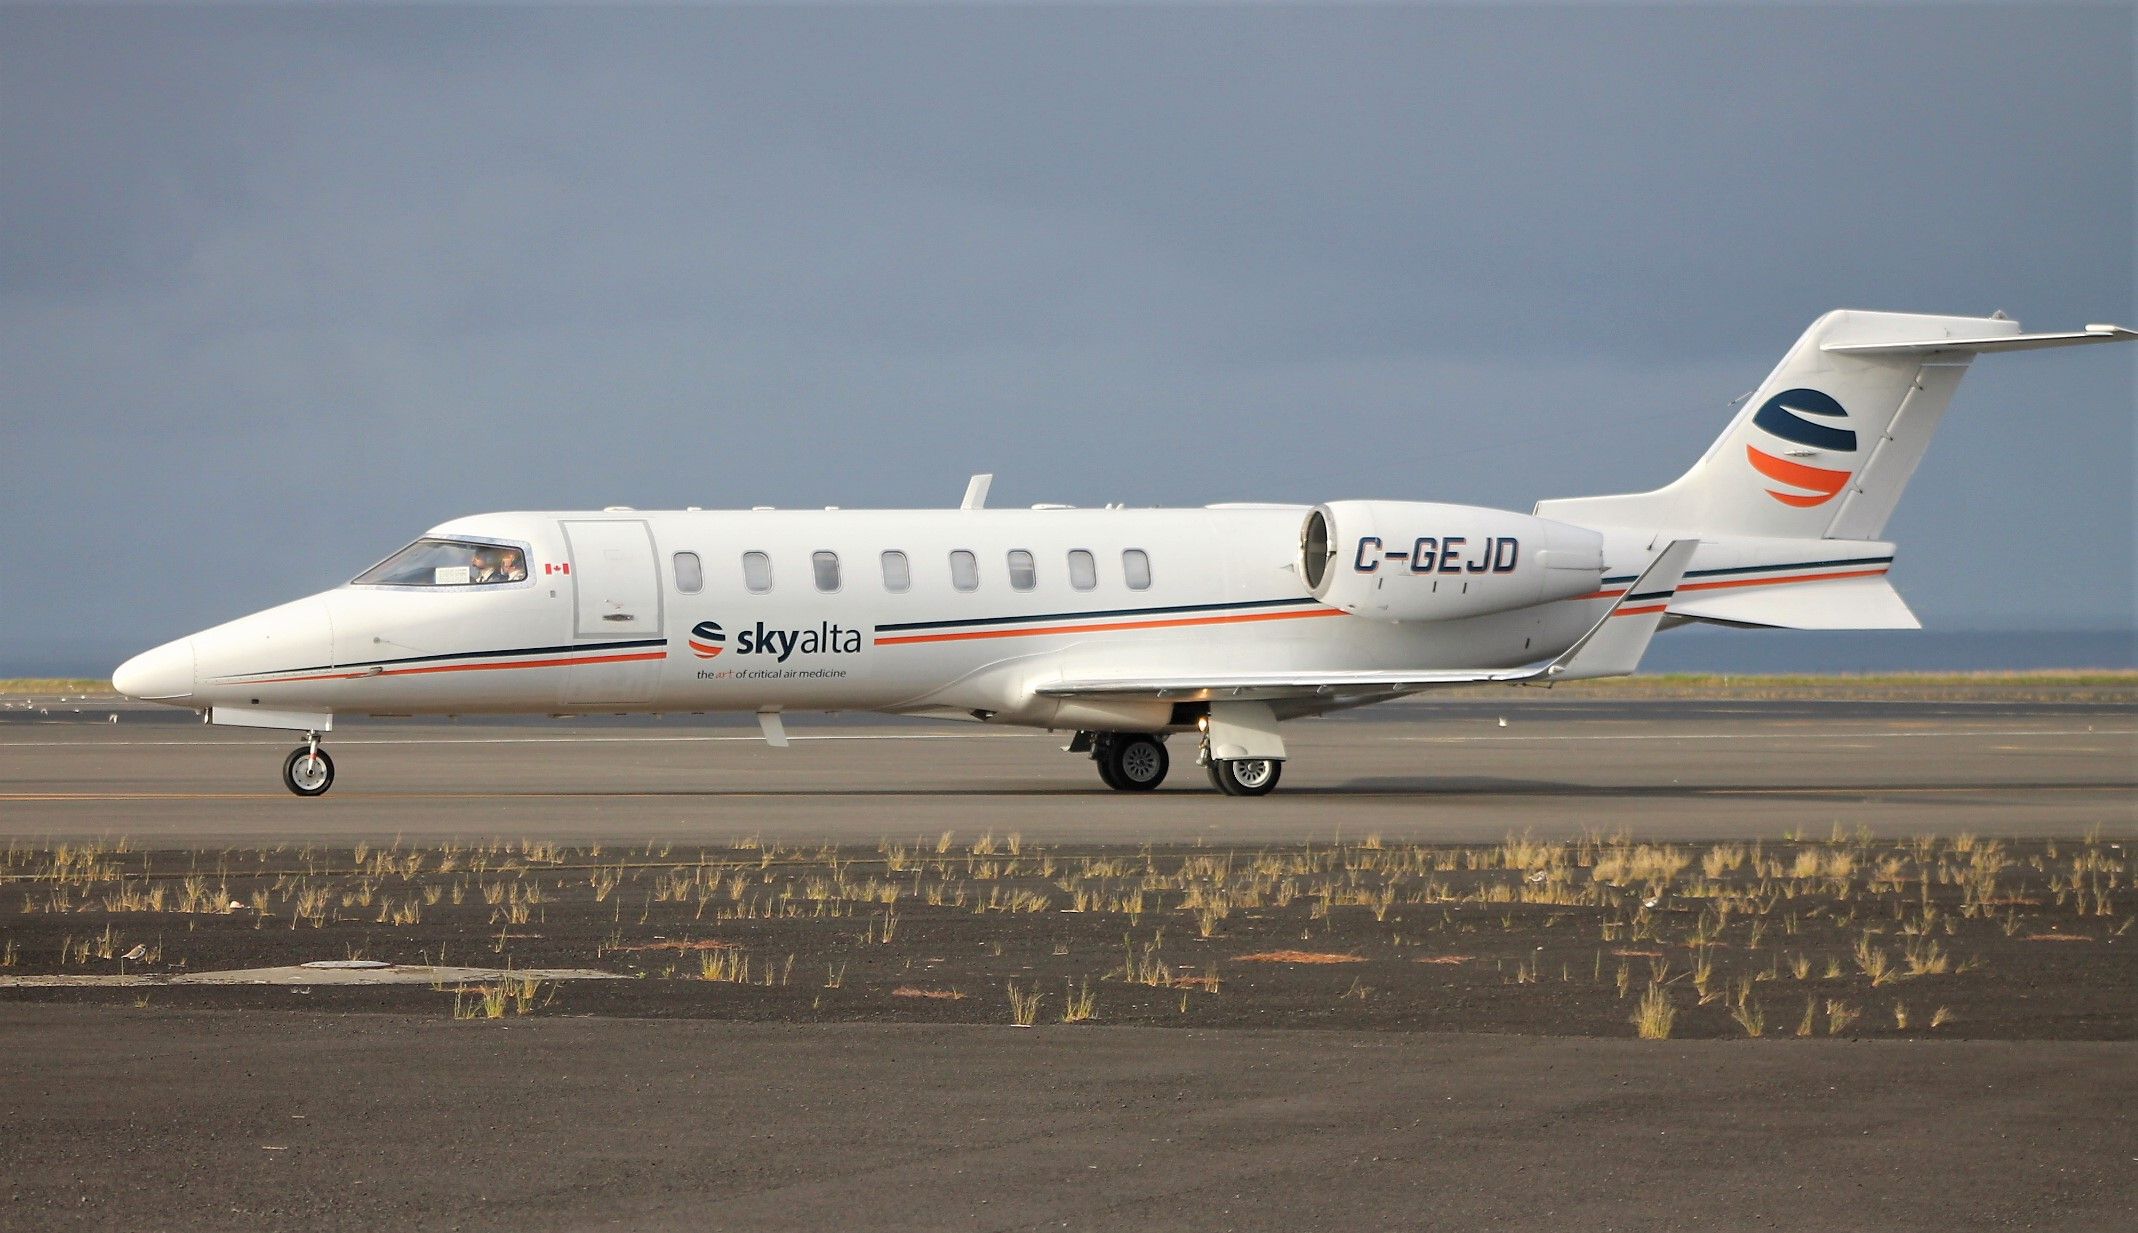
<point x="1120" y="626"/>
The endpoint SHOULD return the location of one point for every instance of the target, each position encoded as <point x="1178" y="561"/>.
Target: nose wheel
<point x="308" y="771"/>
<point x="1245" y="776"/>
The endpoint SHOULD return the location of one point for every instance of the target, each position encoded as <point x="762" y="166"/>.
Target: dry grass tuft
<point x="1299" y="956"/>
<point x="1079" y="1003"/>
<point x="1654" y="1014"/>
<point x="1024" y="1007"/>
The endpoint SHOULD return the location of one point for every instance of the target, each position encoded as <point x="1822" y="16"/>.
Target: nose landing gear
<point x="308" y="771"/>
<point x="1245" y="776"/>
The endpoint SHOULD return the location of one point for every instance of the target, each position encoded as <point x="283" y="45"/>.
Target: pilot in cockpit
<point x="511" y="566"/>
<point x="485" y="567"/>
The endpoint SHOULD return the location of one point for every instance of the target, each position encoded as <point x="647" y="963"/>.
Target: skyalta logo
<point x="707" y="640"/>
<point x="1784" y="416"/>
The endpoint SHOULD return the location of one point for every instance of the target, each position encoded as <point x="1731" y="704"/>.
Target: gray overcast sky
<point x="281" y="288"/>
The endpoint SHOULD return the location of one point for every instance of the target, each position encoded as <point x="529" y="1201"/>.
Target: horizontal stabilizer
<point x="1843" y="603"/>
<point x="2006" y="342"/>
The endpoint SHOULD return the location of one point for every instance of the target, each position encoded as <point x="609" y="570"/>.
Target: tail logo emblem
<point x="707" y="639"/>
<point x="1787" y="415"/>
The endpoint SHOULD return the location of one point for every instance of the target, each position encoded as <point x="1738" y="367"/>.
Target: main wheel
<point x="308" y="771"/>
<point x="1246" y="776"/>
<point x="1102" y="757"/>
<point x="1134" y="763"/>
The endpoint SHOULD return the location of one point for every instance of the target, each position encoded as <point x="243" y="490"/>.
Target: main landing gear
<point x="1130" y="761"/>
<point x="308" y="771"/>
<point x="1137" y="762"/>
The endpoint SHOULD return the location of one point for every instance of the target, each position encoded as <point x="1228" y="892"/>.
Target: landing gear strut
<point x="1130" y="761"/>
<point x="308" y="771"/>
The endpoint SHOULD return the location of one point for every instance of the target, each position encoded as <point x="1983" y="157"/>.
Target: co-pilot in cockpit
<point x="448" y="563"/>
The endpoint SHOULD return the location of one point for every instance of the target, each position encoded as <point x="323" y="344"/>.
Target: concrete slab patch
<point x="310" y="974"/>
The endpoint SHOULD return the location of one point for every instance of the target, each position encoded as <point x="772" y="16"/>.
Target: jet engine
<point x="1419" y="561"/>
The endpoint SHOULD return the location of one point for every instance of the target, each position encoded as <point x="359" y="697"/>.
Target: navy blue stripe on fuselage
<point x="1763" y="569"/>
<point x="453" y="655"/>
<point x="905" y="626"/>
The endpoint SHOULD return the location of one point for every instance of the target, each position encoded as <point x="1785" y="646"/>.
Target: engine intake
<point x="1421" y="561"/>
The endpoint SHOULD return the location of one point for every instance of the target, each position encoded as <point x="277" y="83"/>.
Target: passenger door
<point x="616" y="597"/>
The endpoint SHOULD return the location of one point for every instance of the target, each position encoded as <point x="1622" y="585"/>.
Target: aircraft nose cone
<point x="162" y="675"/>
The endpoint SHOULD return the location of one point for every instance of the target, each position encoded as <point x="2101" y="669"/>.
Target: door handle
<point x="618" y="616"/>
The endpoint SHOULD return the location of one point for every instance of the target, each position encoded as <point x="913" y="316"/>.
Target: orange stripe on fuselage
<point x="525" y="663"/>
<point x="1172" y="623"/>
<point x="1761" y="582"/>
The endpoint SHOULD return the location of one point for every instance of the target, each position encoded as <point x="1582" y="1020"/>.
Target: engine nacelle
<point x="1420" y="561"/>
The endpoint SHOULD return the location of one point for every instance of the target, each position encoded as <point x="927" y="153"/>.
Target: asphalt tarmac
<point x="161" y="1116"/>
<point x="1470" y="771"/>
<point x="158" y="1119"/>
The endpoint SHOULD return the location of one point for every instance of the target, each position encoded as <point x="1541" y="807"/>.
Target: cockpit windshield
<point x="448" y="563"/>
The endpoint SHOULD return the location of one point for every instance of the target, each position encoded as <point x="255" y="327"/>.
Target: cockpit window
<point x="448" y="563"/>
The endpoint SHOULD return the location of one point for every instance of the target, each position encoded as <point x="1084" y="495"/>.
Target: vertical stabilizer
<point x="1825" y="446"/>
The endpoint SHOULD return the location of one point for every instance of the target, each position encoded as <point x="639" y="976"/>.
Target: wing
<point x="1612" y="647"/>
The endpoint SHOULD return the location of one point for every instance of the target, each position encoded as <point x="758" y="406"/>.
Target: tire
<point x="308" y="773"/>
<point x="1134" y="763"/>
<point x="1246" y="776"/>
<point x="1103" y="758"/>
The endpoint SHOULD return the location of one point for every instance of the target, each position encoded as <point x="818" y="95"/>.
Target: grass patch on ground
<point x="1603" y="935"/>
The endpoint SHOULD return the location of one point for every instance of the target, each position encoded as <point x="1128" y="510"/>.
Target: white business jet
<point x="1122" y="626"/>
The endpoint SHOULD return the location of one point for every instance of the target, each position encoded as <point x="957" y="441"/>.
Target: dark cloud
<point x="279" y="288"/>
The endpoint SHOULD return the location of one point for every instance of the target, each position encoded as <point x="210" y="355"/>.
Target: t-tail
<point x="1790" y="502"/>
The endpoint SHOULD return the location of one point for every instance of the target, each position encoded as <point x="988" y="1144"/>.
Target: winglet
<point x="976" y="491"/>
<point x="1614" y="646"/>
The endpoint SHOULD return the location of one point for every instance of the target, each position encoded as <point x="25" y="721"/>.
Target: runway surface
<point x="149" y="1119"/>
<point x="169" y="1115"/>
<point x="1466" y="771"/>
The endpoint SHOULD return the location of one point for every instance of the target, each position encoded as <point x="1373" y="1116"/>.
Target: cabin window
<point x="690" y="576"/>
<point x="1136" y="564"/>
<point x="826" y="566"/>
<point x="897" y="572"/>
<point x="964" y="570"/>
<point x="448" y="563"/>
<point x="1023" y="574"/>
<point x="757" y="572"/>
<point x="1083" y="571"/>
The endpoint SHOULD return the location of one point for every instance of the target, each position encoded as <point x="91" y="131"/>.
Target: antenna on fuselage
<point x="976" y="491"/>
